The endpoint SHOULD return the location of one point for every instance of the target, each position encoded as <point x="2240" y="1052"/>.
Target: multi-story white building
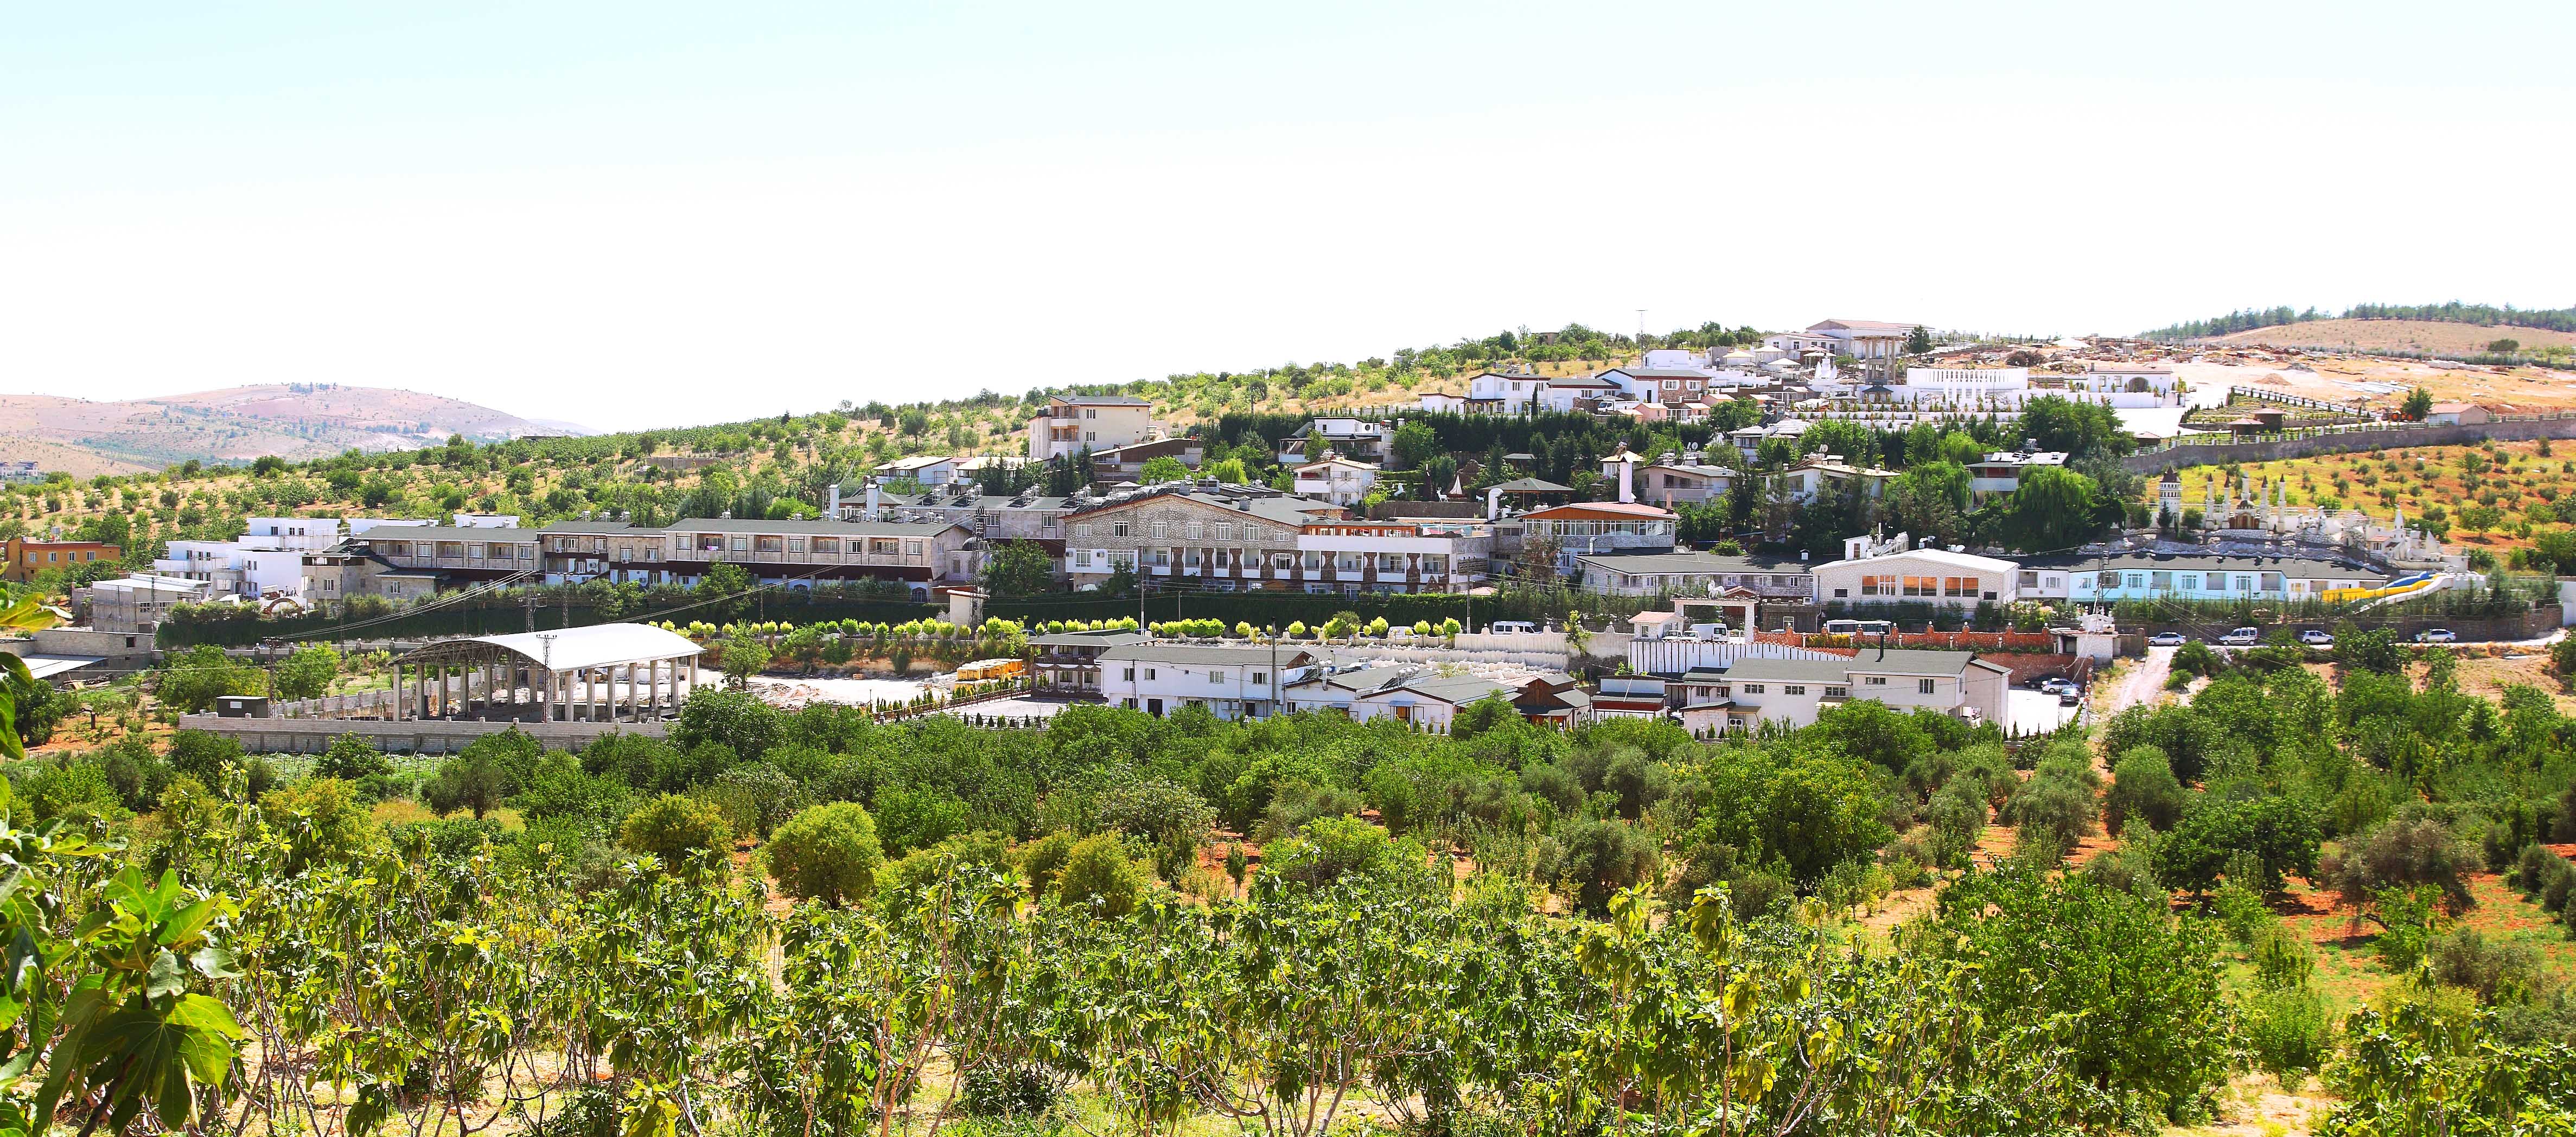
<point x="1336" y="479"/>
<point x="1756" y="690"/>
<point x="1505" y="393"/>
<point x="1356" y="438"/>
<point x="1072" y="423"/>
<point x="2169" y="576"/>
<point x="1231" y="681"/>
<point x="1774" y="578"/>
<point x="267" y="560"/>
<point x="1863" y="339"/>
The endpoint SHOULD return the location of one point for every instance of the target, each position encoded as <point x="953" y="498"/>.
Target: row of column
<point x="476" y="688"/>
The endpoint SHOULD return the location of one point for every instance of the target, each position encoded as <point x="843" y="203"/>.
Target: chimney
<point x="872" y="499"/>
<point x="1627" y="477"/>
<point x="832" y="501"/>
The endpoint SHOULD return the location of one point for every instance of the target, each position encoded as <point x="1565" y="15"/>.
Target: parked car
<point x="2058" y="686"/>
<point x="2241" y="637"/>
<point x="2070" y="698"/>
<point x="2167" y="639"/>
<point x="2437" y="636"/>
<point x="2315" y="638"/>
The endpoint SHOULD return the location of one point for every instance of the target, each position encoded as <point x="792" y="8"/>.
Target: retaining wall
<point x="2345" y="442"/>
<point x="427" y="736"/>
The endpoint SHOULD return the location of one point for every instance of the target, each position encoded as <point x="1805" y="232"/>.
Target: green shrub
<point x="1098" y="876"/>
<point x="2143" y="786"/>
<point x="351" y="758"/>
<point x="2288" y="1034"/>
<point x="926" y="867"/>
<point x="1042" y="860"/>
<point x="826" y="852"/>
<point x="683" y="832"/>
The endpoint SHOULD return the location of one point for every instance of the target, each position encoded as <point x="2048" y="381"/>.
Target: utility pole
<point x="532" y="611"/>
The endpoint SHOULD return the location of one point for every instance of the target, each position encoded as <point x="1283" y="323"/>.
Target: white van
<point x="1509" y="626"/>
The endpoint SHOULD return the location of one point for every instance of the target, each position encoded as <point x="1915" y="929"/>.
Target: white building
<point x="2130" y="378"/>
<point x="1357" y="438"/>
<point x="1336" y="479"/>
<point x="1794" y="691"/>
<point x="1933" y="576"/>
<point x="2000" y="472"/>
<point x="267" y="560"/>
<point x="1563" y="392"/>
<point x="2168" y="576"/>
<point x="1072" y="423"/>
<point x="1699" y="574"/>
<point x="926" y="470"/>
<point x="1231" y="681"/>
<point x="1507" y="393"/>
<point x="1863" y="339"/>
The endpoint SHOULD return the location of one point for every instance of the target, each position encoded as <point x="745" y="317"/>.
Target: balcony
<point x="740" y="557"/>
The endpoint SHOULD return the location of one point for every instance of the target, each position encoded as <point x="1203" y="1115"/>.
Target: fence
<point x="1930" y="640"/>
<point x="2256" y="393"/>
<point x="2219" y="449"/>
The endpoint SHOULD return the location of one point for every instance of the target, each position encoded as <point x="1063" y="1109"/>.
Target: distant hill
<point x="2453" y="312"/>
<point x="294" y="421"/>
<point x="2426" y="337"/>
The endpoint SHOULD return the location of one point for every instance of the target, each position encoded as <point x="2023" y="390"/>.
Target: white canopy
<point x="572" y="648"/>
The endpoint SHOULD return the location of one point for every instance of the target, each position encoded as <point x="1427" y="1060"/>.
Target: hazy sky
<point x="634" y="214"/>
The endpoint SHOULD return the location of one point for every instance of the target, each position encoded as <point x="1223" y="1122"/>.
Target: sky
<point x="638" y="214"/>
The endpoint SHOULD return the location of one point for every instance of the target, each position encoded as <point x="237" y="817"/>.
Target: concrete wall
<point x="2345" y="442"/>
<point x="313" y="736"/>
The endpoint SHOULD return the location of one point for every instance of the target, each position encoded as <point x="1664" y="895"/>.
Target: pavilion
<point x="602" y="673"/>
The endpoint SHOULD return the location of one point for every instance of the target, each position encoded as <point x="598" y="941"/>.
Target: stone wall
<point x="2345" y="442"/>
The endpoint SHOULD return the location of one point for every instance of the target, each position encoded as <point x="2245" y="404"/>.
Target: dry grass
<point x="2397" y="335"/>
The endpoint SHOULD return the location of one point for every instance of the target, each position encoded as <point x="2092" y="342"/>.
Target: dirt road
<point x="2141" y="684"/>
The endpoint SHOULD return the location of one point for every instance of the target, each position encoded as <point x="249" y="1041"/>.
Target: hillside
<point x="2432" y="337"/>
<point x="241" y="423"/>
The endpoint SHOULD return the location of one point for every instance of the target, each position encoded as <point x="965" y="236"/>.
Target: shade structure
<point x="605" y="672"/>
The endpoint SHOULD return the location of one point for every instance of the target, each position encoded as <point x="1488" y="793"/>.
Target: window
<point x="1923" y="586"/>
<point x="2137" y="580"/>
<point x="2107" y="580"/>
<point x="1752" y="688"/>
<point x="1162" y="529"/>
<point x="1837" y="692"/>
<point x="2218" y="582"/>
<point x="2160" y="581"/>
<point x="1959" y="586"/>
<point x="2244" y="584"/>
<point x="1118" y="528"/>
<point x="1194" y="530"/>
<point x="1874" y="680"/>
<point x="796" y="544"/>
<point x="742" y="544"/>
<point x="1225" y="530"/>
<point x="1256" y="677"/>
<point x="1082" y="529"/>
<point x="1875" y="586"/>
<point x="1793" y="689"/>
<point x="1923" y="686"/>
<point x="827" y="544"/>
<point x="2030" y="580"/>
<point x="1149" y="673"/>
<point x="1130" y="676"/>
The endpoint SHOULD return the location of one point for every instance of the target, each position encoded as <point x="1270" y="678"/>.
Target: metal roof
<point x="1205" y="654"/>
<point x="570" y="649"/>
